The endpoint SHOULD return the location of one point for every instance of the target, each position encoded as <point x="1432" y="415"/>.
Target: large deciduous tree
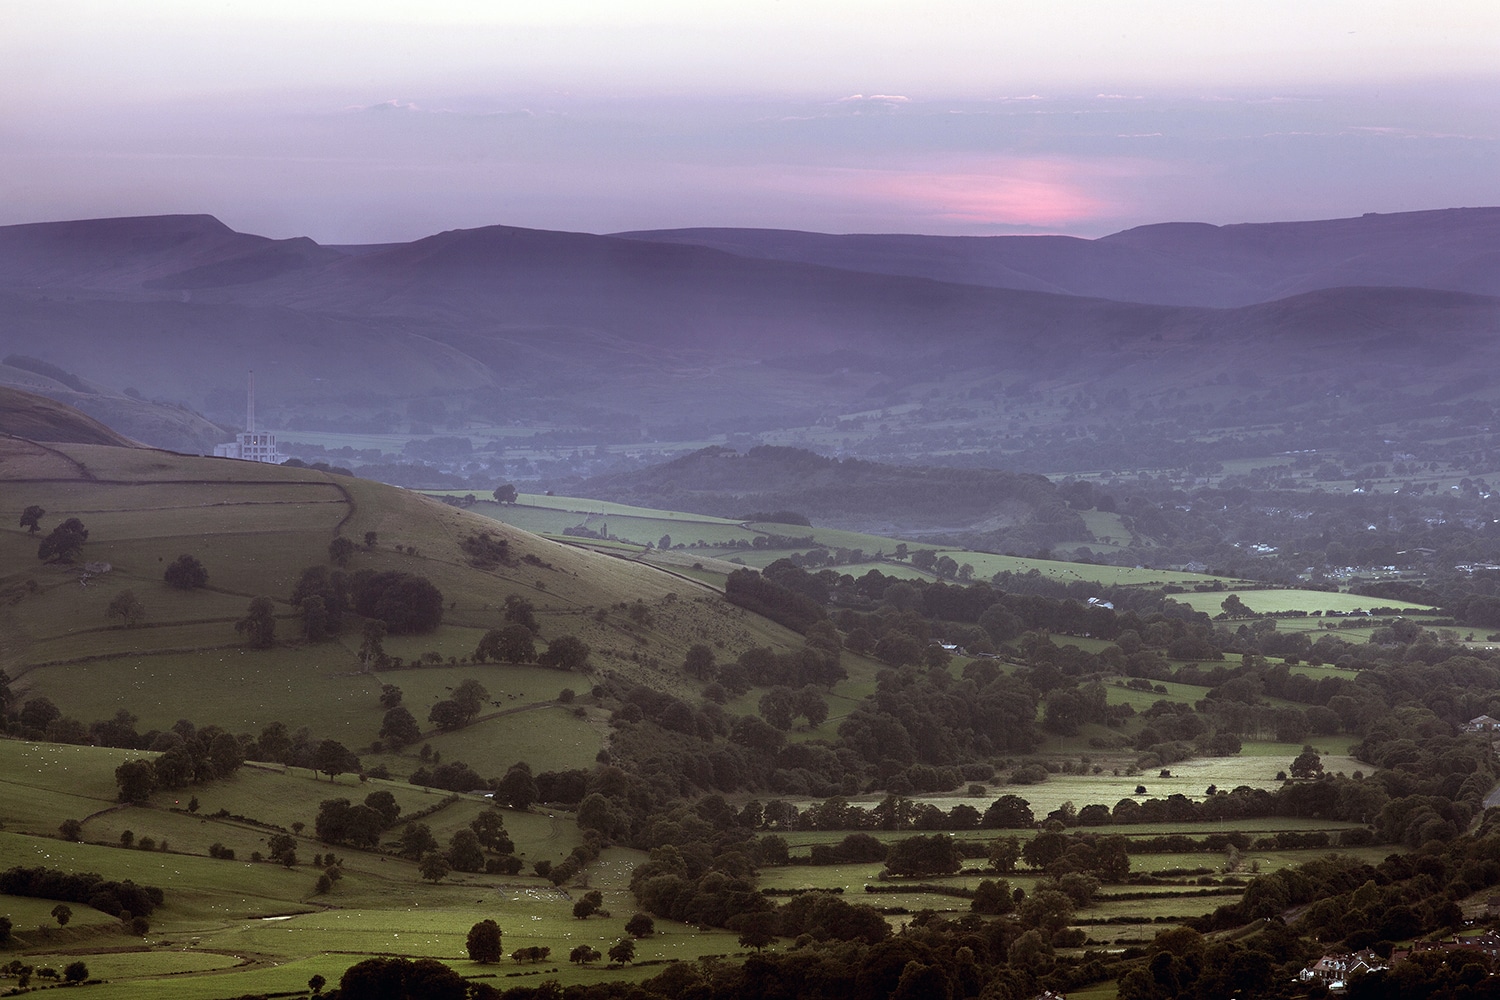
<point x="484" y="943"/>
<point x="31" y="519"/>
<point x="405" y="602"/>
<point x="186" y="573"/>
<point x="511" y="644"/>
<point x="64" y="543"/>
<point x="566" y="652"/>
<point x="259" y="624"/>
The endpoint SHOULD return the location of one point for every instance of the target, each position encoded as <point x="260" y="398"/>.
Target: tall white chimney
<point x="250" y="406"/>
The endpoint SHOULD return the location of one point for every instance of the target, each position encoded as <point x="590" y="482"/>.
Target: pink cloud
<point x="1041" y="192"/>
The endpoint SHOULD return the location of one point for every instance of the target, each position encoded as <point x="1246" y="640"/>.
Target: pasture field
<point x="1268" y="601"/>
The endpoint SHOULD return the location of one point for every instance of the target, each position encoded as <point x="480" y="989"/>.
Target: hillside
<point x="25" y="415"/>
<point x="848" y="493"/>
<point x="255" y="528"/>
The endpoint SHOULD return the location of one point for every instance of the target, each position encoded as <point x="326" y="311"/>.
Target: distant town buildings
<point x="251" y="445"/>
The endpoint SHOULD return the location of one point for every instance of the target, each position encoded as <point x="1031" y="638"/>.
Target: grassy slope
<point x="255" y="528"/>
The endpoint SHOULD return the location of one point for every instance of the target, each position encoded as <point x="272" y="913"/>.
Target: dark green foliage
<point x="402" y="979"/>
<point x="934" y="855"/>
<point x="453" y="775"/>
<point x="323" y="597"/>
<point x="754" y="592"/>
<point x="489" y="828"/>
<point x="406" y="603"/>
<point x="566" y="652"/>
<point x="504" y="493"/>
<point x="259" y="624"/>
<point x="75" y="972"/>
<point x="127" y="607"/>
<point x="65" y="542"/>
<point x="622" y="951"/>
<point x="520" y="611"/>
<point x="333" y="759"/>
<point x="484" y="943"/>
<point x="31" y="518"/>
<point x="511" y="644"/>
<point x="399" y="728"/>
<point x="434" y="867"/>
<point x="340" y="551"/>
<point x="186" y="573"/>
<point x="464" y="852"/>
<point x="339" y="822"/>
<point x="108" y="897"/>
<point x="416" y="841"/>
<point x="485" y="551"/>
<point x="137" y="780"/>
<point x="517" y="789"/>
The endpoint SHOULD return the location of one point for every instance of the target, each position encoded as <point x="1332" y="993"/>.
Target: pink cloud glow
<point x="1042" y="193"/>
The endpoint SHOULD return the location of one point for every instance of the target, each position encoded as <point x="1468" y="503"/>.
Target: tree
<point x="31" y="519"/>
<point x="71" y="829"/>
<point x="137" y="780"/>
<point x="399" y="728"/>
<point x="566" y="652"/>
<point x="370" y="539"/>
<point x="390" y="696"/>
<point x="401" y="978"/>
<point x="434" y="867"/>
<point x="520" y="611"/>
<point x="407" y="603"/>
<point x="583" y="955"/>
<point x="62" y="913"/>
<point x="75" y="972"/>
<point x="757" y="928"/>
<point x="464" y="852"/>
<point x="316" y="984"/>
<point x="385" y="804"/>
<point x="489" y="827"/>
<point x="416" y="841"/>
<point x="126" y="607"/>
<point x="470" y="696"/>
<point x="505" y="493"/>
<point x="778" y="707"/>
<point x="65" y="542"/>
<point x="484" y="943"/>
<point x="699" y="661"/>
<point x="372" y="649"/>
<point x="334" y="759"/>
<point x="259" y="624"/>
<point x="340" y="551"/>
<point x="511" y="644"/>
<point x="622" y="951"/>
<point x="1308" y="764"/>
<point x="186" y="573"/>
<point x="518" y="788"/>
<point x="447" y="714"/>
<point x="640" y="925"/>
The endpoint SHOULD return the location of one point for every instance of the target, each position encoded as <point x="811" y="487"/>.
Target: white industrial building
<point x="251" y="445"/>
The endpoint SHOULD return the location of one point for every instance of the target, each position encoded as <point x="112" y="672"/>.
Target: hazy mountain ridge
<point x="1190" y="264"/>
<point x="663" y="331"/>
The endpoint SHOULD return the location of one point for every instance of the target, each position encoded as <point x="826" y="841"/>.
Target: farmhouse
<point x="1334" y="970"/>
<point x="1482" y="724"/>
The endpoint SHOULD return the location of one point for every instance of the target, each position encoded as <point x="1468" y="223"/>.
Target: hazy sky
<point x="371" y="120"/>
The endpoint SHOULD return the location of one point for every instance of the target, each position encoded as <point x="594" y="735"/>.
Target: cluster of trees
<point x="104" y="895"/>
<point x="403" y="603"/>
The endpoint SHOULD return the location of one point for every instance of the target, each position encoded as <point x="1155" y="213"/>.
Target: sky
<point x="375" y="121"/>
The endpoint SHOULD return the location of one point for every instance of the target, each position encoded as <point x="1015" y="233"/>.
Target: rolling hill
<point x="657" y="335"/>
<point x="255" y="528"/>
